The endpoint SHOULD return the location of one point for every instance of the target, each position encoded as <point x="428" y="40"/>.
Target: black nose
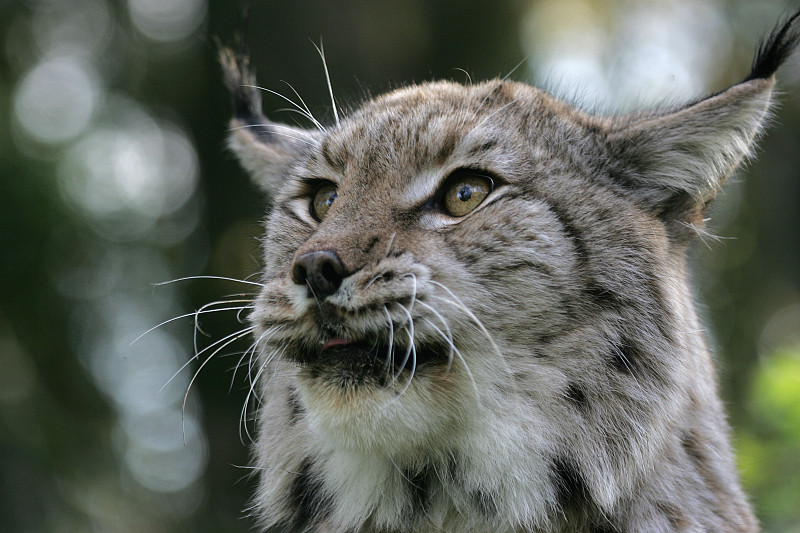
<point x="322" y="272"/>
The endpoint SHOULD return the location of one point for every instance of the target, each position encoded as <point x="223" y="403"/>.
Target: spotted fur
<point x="535" y="365"/>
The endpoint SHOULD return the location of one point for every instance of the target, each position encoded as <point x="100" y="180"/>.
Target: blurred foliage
<point x="114" y="177"/>
<point x="768" y="447"/>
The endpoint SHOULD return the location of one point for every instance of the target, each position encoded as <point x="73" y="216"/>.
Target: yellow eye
<point x="465" y="193"/>
<point x="322" y="201"/>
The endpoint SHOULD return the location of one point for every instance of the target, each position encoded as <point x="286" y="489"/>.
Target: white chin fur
<point x="398" y="420"/>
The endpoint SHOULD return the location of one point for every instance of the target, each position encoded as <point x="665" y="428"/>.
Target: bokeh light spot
<point x="72" y="26"/>
<point x="133" y="170"/>
<point x="167" y="20"/>
<point x="55" y="101"/>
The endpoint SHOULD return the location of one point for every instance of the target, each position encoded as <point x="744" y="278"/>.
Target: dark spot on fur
<point x="468" y="255"/>
<point x="625" y="357"/>
<point x="371" y="244"/>
<point x="515" y="266"/>
<point x="482" y="149"/>
<point x="663" y="317"/>
<point x="446" y="148"/>
<point x="546" y="338"/>
<point x="289" y="213"/>
<point x="576" y="396"/>
<point x="485" y="503"/>
<point x="419" y="488"/>
<point x="307" y="497"/>
<point x="571" y="491"/>
<point x="334" y="161"/>
<point x="629" y="358"/>
<point x="521" y="377"/>
<point x="693" y="448"/>
<point x="572" y="232"/>
<point x="677" y="519"/>
<point x="603" y="527"/>
<point x="296" y="410"/>
<point x="602" y="296"/>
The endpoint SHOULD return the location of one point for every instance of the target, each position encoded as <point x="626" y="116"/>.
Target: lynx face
<point x="391" y="269"/>
<point x="474" y="313"/>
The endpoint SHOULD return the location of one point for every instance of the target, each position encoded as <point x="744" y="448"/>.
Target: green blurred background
<point x="114" y="177"/>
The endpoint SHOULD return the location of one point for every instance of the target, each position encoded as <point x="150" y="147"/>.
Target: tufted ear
<point x="676" y="161"/>
<point x="688" y="153"/>
<point x="263" y="148"/>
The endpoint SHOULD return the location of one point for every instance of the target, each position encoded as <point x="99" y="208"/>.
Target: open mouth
<point x="358" y="363"/>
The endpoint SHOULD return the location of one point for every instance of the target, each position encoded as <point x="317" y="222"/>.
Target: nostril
<point x="330" y="274"/>
<point x="321" y="271"/>
<point x="299" y="274"/>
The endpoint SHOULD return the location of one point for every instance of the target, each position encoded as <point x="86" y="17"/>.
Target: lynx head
<point x="474" y="312"/>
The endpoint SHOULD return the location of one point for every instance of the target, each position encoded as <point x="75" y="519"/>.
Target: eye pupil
<point x="331" y="198"/>
<point x="464" y="191"/>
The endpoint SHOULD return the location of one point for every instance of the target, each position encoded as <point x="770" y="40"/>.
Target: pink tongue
<point x="335" y="341"/>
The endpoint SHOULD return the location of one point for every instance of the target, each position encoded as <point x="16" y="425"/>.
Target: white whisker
<point x="390" y="353"/>
<point x="305" y="106"/>
<point x="493" y="113"/>
<point x="410" y="332"/>
<point x="272" y="131"/>
<point x="208" y="277"/>
<point x="456" y="302"/>
<point x="310" y="288"/>
<point x="467" y="74"/>
<point x="226" y="341"/>
<point x="411" y="352"/>
<point x="202" y="310"/>
<point x="389" y="246"/>
<point x="375" y="278"/>
<point x="309" y="116"/>
<point x="251" y="393"/>
<point x="448" y="336"/>
<point x="513" y="70"/>
<point x="229" y="338"/>
<point x="457" y="352"/>
<point x="251" y="350"/>
<point x="413" y="293"/>
<point x="321" y="51"/>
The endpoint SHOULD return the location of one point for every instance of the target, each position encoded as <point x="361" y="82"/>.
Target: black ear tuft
<point x="240" y="80"/>
<point x="263" y="148"/>
<point x="773" y="50"/>
<point x="239" y="77"/>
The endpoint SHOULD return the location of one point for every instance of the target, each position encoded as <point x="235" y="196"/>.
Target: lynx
<point x="474" y="313"/>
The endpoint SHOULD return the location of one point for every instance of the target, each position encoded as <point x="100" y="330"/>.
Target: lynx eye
<point x="465" y="192"/>
<point x="322" y="201"/>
